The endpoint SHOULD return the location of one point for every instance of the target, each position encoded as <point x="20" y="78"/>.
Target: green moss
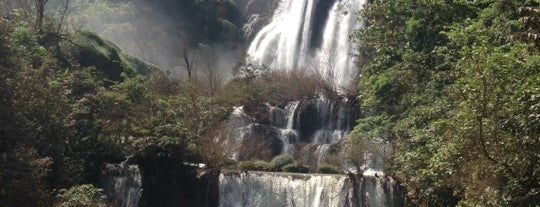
<point x="106" y="57"/>
<point x="139" y="66"/>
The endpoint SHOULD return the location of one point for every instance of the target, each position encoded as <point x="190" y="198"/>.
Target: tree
<point x="495" y="76"/>
<point x="214" y="149"/>
<point x="188" y="57"/>
<point x="40" y="10"/>
<point x="446" y="84"/>
<point x="211" y="70"/>
<point x="62" y="17"/>
<point x="21" y="167"/>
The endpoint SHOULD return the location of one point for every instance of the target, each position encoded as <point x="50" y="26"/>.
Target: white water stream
<point x="300" y="38"/>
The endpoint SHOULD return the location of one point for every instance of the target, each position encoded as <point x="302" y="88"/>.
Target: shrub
<point x="257" y="165"/>
<point x="328" y="169"/>
<point x="295" y="167"/>
<point x="281" y="160"/>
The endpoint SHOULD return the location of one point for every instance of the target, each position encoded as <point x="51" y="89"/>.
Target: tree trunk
<point x="40" y="10"/>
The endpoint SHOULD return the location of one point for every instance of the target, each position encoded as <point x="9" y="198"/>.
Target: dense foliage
<point x="71" y="101"/>
<point x="454" y="87"/>
<point x="81" y="196"/>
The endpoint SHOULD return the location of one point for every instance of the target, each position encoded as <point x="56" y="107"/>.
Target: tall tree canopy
<point x="71" y="102"/>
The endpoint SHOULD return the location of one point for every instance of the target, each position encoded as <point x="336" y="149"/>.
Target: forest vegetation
<point x="454" y="87"/>
<point x="71" y="101"/>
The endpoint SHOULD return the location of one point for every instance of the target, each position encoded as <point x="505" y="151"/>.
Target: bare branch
<point x="188" y="57"/>
<point x="66" y="6"/>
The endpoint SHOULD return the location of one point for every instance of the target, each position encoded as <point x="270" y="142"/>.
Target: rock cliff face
<point x="257" y="14"/>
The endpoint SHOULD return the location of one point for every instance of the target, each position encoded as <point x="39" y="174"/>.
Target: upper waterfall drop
<point x="310" y="35"/>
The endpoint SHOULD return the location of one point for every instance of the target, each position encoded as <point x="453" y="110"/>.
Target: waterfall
<point x="122" y="184"/>
<point x="315" y="127"/>
<point x="263" y="189"/>
<point x="288" y="135"/>
<point x="309" y="35"/>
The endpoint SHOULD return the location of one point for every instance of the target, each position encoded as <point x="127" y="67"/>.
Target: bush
<point x="295" y="167"/>
<point x="328" y="169"/>
<point x="281" y="160"/>
<point x="81" y="196"/>
<point x="257" y="165"/>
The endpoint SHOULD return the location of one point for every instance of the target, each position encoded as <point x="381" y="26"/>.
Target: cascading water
<point x="316" y="127"/>
<point x="310" y="35"/>
<point x="122" y="184"/>
<point x="283" y="119"/>
<point x="257" y="189"/>
<point x="312" y="126"/>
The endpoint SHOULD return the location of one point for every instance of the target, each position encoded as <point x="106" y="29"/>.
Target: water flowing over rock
<point x="258" y="189"/>
<point x="307" y="129"/>
<point x="310" y="35"/>
<point x="310" y="130"/>
<point x="122" y="184"/>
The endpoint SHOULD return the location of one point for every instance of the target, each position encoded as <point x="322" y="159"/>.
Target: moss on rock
<point x="89" y="49"/>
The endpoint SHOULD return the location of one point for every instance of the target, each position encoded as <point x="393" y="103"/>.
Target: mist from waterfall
<point x="310" y="35"/>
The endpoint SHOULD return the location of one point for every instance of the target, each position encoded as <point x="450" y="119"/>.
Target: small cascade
<point x="288" y="135"/>
<point x="243" y="189"/>
<point x="291" y="110"/>
<point x="381" y="191"/>
<point x="325" y="121"/>
<point x="239" y="127"/>
<point x="314" y="130"/>
<point x="312" y="127"/>
<point x="321" y="151"/>
<point x="122" y="184"/>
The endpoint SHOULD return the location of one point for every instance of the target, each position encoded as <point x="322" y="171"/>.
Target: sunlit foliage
<point x="453" y="87"/>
